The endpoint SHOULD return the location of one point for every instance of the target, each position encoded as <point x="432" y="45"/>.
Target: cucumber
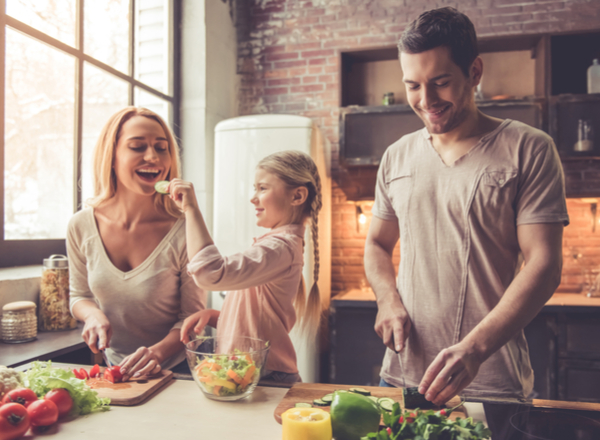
<point x="302" y="405"/>
<point x="320" y="402"/>
<point x="162" y="186"/>
<point x="340" y="391"/>
<point x="412" y="399"/>
<point x="360" y="391"/>
<point x="374" y="399"/>
<point x="327" y="398"/>
<point x="386" y="403"/>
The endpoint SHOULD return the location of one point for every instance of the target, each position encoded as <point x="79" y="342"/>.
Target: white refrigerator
<point x="240" y="143"/>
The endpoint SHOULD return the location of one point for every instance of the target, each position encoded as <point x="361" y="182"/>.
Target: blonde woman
<point x="264" y="283"/>
<point x="127" y="250"/>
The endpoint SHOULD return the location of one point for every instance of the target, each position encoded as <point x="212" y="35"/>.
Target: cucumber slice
<point x="302" y="405"/>
<point x="340" y="391"/>
<point x="374" y="399"/>
<point x="162" y="186"/>
<point x="386" y="403"/>
<point x="320" y="402"/>
<point x="327" y="398"/>
<point x="360" y="391"/>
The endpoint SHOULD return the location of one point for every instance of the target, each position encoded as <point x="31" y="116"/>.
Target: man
<point x="470" y="197"/>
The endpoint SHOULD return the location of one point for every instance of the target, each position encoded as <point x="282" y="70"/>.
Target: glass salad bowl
<point x="226" y="368"/>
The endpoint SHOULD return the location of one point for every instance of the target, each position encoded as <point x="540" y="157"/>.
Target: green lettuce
<point x="43" y="377"/>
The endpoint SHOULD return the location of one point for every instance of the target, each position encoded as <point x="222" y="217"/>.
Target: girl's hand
<point x="183" y="194"/>
<point x="97" y="331"/>
<point x="197" y="322"/>
<point x="143" y="362"/>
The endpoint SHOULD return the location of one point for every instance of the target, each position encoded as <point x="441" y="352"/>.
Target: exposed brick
<point x="278" y="56"/>
<point x="283" y="81"/>
<point x="307" y="88"/>
<point x="317" y="53"/>
<point x="289" y="64"/>
<point x="275" y="90"/>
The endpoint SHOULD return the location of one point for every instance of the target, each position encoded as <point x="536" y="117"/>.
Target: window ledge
<point x="20" y="284"/>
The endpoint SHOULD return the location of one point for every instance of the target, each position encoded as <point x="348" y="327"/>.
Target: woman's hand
<point x="183" y="194"/>
<point x="97" y="331"/>
<point x="197" y="322"/>
<point x="143" y="362"/>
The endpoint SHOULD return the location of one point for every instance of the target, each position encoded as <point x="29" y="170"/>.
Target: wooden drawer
<point x="579" y="380"/>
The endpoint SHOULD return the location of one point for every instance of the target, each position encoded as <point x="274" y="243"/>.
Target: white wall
<point x="209" y="87"/>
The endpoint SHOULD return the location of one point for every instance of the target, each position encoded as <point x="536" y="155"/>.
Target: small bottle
<point x="593" y="77"/>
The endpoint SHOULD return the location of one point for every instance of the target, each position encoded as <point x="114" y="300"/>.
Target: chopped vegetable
<point x="95" y="371"/>
<point x="113" y="374"/>
<point x="413" y="399"/>
<point x="320" y="402"/>
<point x="302" y="405"/>
<point x="9" y="380"/>
<point x="42" y="377"/>
<point x="360" y="391"/>
<point x="226" y="375"/>
<point x="162" y="187"/>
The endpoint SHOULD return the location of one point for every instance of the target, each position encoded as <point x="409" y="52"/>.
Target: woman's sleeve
<point x="79" y="288"/>
<point x="259" y="264"/>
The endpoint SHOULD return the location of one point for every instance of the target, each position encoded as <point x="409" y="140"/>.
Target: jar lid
<point x="18" y="306"/>
<point x="56" y="261"/>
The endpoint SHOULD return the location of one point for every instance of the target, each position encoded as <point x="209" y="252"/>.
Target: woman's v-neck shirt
<point x="144" y="304"/>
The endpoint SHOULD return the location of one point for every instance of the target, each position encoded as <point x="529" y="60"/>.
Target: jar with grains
<point x="54" y="311"/>
<point x="19" y="323"/>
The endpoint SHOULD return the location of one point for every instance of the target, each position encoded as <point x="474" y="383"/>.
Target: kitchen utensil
<point x="227" y="368"/>
<point x="307" y="392"/>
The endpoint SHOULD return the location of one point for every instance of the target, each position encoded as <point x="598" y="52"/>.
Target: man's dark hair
<point x="442" y="27"/>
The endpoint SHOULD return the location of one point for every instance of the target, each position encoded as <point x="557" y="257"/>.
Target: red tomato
<point x="84" y="374"/>
<point x="389" y="430"/>
<point x="95" y="371"/>
<point x="62" y="399"/>
<point x="113" y="374"/>
<point x="77" y="374"/>
<point x="43" y="412"/>
<point x="22" y="396"/>
<point x="14" y="421"/>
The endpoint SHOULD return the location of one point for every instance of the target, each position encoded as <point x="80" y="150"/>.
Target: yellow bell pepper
<point x="306" y="424"/>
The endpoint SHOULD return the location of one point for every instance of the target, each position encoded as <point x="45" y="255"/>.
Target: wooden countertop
<point x="558" y="299"/>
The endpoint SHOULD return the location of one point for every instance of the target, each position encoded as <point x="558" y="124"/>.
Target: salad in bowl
<point x="227" y="369"/>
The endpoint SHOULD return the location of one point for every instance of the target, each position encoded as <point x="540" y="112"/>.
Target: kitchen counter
<point x="47" y="346"/>
<point x="179" y="411"/>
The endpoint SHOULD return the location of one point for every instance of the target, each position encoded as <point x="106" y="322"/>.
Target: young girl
<point x="266" y="290"/>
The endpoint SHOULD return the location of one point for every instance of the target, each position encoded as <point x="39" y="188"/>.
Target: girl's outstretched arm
<point x="196" y="232"/>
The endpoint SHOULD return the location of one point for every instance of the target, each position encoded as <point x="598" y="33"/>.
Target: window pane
<point x="106" y="32"/>
<point x="53" y="17"/>
<point x="38" y="168"/>
<point x="154" y="103"/>
<point x="153" y="44"/>
<point x="103" y="95"/>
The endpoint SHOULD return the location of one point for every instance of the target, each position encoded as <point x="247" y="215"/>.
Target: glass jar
<point x="19" y="322"/>
<point x="54" y="311"/>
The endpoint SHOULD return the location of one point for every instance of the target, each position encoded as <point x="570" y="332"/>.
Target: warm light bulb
<point x="362" y="219"/>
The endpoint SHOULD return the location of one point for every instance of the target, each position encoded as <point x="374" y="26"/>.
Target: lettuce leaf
<point x="43" y="377"/>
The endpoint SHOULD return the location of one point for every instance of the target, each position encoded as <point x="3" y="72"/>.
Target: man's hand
<point x="452" y="370"/>
<point x="392" y="323"/>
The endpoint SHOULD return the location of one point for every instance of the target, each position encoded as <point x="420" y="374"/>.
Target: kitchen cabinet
<point x="541" y="80"/>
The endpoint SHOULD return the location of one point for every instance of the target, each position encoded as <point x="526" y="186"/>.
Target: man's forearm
<point x="380" y="272"/>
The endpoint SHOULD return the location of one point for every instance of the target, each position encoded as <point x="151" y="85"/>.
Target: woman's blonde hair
<point x="105" y="180"/>
<point x="297" y="169"/>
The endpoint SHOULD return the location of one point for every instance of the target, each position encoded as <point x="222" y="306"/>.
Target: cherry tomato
<point x="84" y="374"/>
<point x="22" y="396"/>
<point x="43" y="412"/>
<point x="95" y="371"/>
<point x="442" y="412"/>
<point x="62" y="399"/>
<point x="389" y="430"/>
<point x="14" y="421"/>
<point x="113" y="374"/>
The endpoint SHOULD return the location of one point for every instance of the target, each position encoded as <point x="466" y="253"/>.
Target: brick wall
<point x="289" y="62"/>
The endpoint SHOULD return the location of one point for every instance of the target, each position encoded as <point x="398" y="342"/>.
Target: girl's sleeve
<point x="79" y="288"/>
<point x="193" y="297"/>
<point x="259" y="264"/>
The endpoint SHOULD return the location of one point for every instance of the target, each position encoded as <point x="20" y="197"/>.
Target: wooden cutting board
<point x="131" y="392"/>
<point x="307" y="392"/>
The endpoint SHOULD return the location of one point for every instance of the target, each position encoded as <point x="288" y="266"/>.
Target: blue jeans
<point x="383" y="383"/>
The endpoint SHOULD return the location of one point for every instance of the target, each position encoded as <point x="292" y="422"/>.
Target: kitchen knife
<point x="497" y="400"/>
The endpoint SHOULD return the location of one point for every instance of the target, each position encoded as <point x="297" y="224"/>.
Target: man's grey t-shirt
<point x="458" y="242"/>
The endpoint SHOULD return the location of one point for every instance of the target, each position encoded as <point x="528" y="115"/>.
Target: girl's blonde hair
<point x="296" y="169"/>
<point x="105" y="179"/>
